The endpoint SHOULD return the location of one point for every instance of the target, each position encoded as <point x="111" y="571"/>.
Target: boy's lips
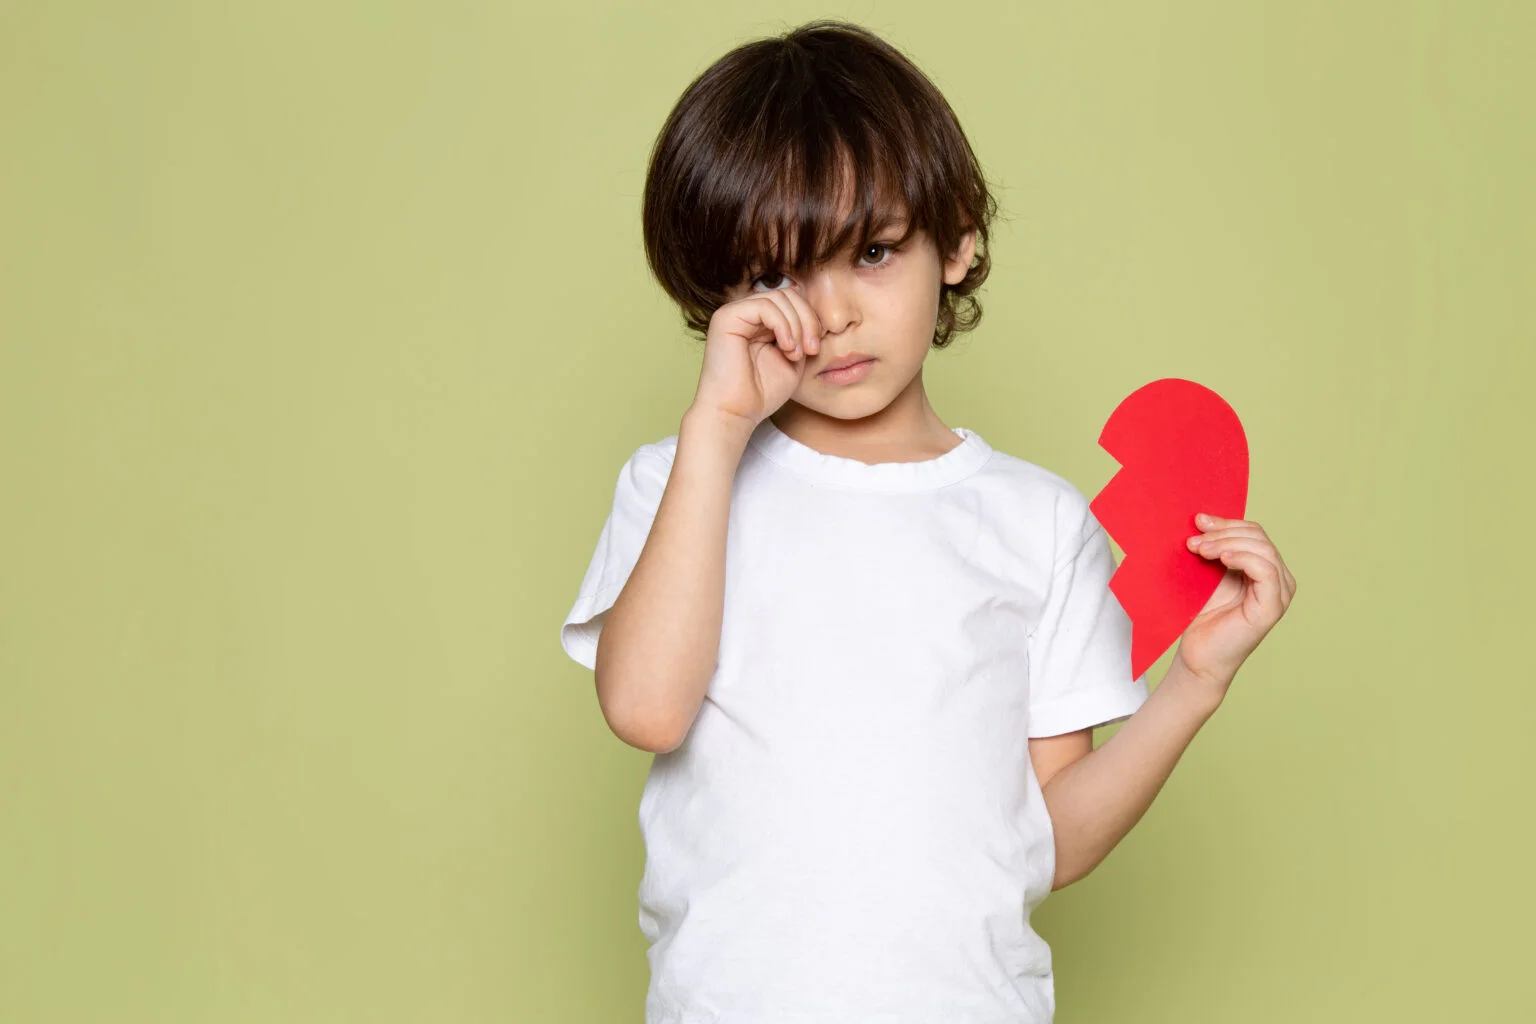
<point x="847" y="360"/>
<point x="848" y="372"/>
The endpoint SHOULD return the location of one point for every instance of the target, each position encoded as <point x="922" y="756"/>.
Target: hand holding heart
<point x="1248" y="601"/>
<point x="1182" y="450"/>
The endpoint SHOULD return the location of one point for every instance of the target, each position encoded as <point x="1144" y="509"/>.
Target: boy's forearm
<point x="1096" y="800"/>
<point x="660" y="643"/>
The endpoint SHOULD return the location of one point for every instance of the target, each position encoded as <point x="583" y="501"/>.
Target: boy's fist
<point x="1256" y="591"/>
<point x="755" y="353"/>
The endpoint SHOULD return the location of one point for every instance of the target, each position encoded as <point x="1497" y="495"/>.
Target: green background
<point x="325" y="327"/>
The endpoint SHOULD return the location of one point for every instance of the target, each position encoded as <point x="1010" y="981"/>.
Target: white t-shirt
<point x="852" y="831"/>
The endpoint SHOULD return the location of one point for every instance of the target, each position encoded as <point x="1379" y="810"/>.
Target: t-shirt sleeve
<point x="1080" y="651"/>
<point x="636" y="496"/>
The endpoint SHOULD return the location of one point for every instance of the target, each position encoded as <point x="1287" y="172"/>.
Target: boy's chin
<point x="845" y="405"/>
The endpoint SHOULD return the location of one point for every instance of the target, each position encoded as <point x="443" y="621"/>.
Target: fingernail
<point x="1193" y="541"/>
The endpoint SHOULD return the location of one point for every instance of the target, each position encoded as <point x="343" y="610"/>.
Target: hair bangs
<point x="817" y="205"/>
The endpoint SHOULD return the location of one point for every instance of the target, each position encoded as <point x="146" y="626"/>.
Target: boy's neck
<point x="906" y="430"/>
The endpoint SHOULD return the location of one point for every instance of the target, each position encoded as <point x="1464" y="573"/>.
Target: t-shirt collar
<point x="787" y="453"/>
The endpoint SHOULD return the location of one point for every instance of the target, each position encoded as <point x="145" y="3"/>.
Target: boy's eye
<point x="876" y="246"/>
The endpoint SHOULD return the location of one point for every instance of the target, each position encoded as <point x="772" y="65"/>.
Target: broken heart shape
<point x="1182" y="451"/>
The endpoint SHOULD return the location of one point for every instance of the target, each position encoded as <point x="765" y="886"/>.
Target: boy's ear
<point x="958" y="265"/>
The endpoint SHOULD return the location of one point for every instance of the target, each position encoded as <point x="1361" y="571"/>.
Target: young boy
<point x="868" y="649"/>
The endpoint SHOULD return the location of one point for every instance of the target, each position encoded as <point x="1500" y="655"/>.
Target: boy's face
<point x="874" y="300"/>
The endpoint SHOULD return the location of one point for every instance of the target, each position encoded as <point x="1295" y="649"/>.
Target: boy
<point x="868" y="649"/>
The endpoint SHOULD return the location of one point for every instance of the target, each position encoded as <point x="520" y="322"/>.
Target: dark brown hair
<point x="759" y="145"/>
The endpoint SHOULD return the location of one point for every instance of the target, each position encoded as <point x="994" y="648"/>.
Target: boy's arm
<point x="660" y="642"/>
<point x="1050" y="754"/>
<point x="1095" y="799"/>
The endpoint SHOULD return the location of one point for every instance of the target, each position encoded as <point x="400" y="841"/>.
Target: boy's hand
<point x="755" y="353"/>
<point x="1246" y="605"/>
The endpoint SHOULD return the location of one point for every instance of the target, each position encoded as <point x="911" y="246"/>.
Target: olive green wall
<point x="324" y="328"/>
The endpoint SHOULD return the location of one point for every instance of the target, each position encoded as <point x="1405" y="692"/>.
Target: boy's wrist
<point x="1194" y="689"/>
<point x="727" y="427"/>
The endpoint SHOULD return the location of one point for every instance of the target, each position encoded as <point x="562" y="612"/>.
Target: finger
<point x="1255" y="530"/>
<point x="1264" y="574"/>
<point x="1233" y="531"/>
<point x="809" y="320"/>
<point x="1211" y="548"/>
<point x="771" y="316"/>
<point x="1221" y="528"/>
<point x="1287" y="581"/>
<point x="780" y="298"/>
<point x="1206" y="521"/>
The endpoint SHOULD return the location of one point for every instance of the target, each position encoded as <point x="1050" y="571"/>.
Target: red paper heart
<point x="1181" y="450"/>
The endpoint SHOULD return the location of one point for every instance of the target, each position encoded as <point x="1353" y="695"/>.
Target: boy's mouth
<point x="850" y="359"/>
<point x="845" y="372"/>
